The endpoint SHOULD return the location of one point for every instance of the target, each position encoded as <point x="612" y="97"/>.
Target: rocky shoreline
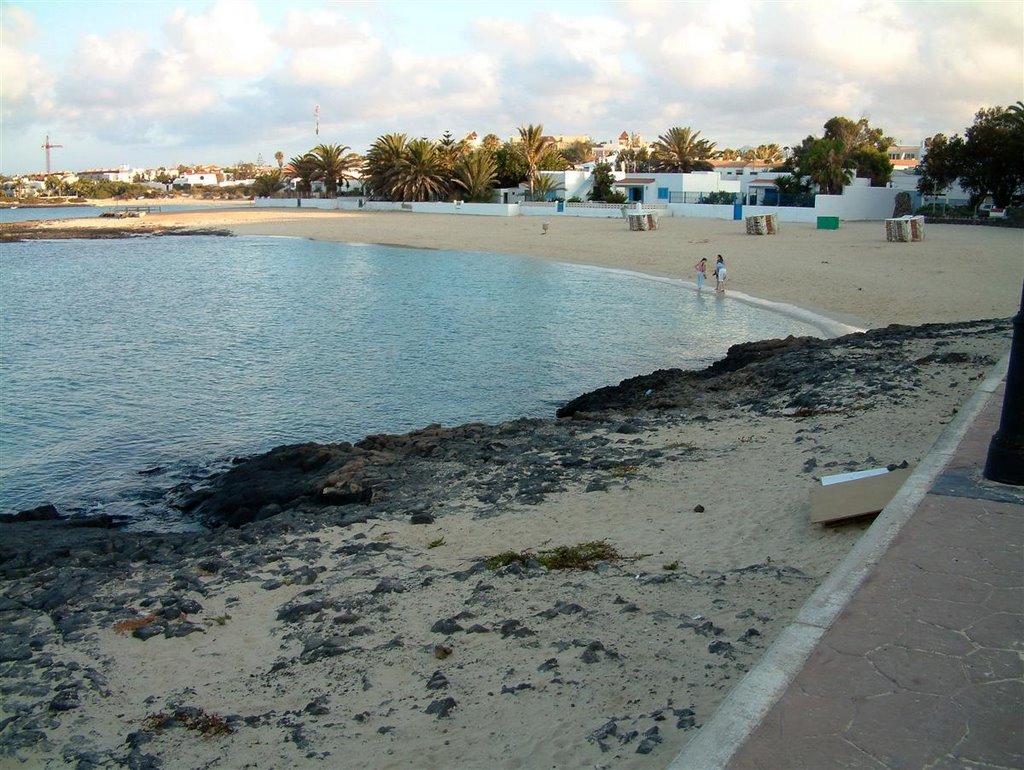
<point x="306" y="565"/>
<point x="13" y="232"/>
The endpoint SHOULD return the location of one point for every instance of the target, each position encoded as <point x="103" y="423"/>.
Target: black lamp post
<point x="1005" y="462"/>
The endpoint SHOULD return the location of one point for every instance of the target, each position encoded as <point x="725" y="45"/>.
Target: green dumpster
<point x="828" y="223"/>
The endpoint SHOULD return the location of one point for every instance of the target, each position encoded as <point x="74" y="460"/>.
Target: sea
<point x="84" y="211"/>
<point x="130" y="366"/>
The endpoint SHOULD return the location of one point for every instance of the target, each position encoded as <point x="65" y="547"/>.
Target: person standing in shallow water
<point x="720" y="275"/>
<point x="701" y="268"/>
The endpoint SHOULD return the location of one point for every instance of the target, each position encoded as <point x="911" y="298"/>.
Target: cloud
<point x="239" y="75"/>
<point x="230" y="39"/>
<point x="26" y="82"/>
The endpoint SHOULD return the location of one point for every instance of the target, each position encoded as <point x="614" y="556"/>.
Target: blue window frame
<point x="663" y="193"/>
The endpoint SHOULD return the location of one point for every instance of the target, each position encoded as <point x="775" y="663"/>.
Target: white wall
<point x="575" y="184"/>
<point x="701" y="210"/>
<point x="784" y="213"/>
<point x="858" y="202"/>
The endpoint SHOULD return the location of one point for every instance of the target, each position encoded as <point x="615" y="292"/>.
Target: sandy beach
<point x="374" y="634"/>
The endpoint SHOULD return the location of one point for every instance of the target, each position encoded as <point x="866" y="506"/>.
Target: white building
<point x="692" y="187"/>
<point x="123" y="174"/>
<point x="205" y="178"/>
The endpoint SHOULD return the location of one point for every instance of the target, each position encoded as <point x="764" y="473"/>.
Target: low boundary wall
<point x="856" y="204"/>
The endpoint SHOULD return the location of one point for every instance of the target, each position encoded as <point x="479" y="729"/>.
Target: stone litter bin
<point x="762" y="224"/>
<point x="645" y="220"/>
<point x="905" y="229"/>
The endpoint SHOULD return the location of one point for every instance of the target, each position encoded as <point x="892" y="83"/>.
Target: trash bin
<point x="828" y="223"/>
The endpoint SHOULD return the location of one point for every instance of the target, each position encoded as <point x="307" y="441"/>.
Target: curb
<point x="747" y="704"/>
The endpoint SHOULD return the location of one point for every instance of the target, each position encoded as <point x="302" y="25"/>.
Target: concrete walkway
<point x="910" y="654"/>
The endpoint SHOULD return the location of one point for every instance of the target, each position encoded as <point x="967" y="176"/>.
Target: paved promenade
<point x="910" y="655"/>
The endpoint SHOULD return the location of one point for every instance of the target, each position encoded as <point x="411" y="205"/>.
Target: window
<point x="663" y="193"/>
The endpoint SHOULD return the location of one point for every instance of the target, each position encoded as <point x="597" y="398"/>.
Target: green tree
<point x="490" y="143"/>
<point x="988" y="160"/>
<point x="534" y="147"/>
<point x="85" y="188"/>
<point x="855" y="135"/>
<point x="382" y="163"/>
<point x="626" y="160"/>
<point x="868" y="148"/>
<point x="511" y="165"/>
<point x="644" y="164"/>
<point x="304" y="169"/>
<point x="279" y="157"/>
<point x="940" y="166"/>
<point x="601" y="188"/>
<point x="449" y="152"/>
<point x="765" y="153"/>
<point x="578" y="152"/>
<point x="475" y="175"/>
<point x="266" y="185"/>
<point x="420" y="175"/>
<point x="992" y="159"/>
<point x="791" y="185"/>
<point x="335" y="164"/>
<point x="546" y="187"/>
<point x="245" y="170"/>
<point x="680" y="150"/>
<point x="869" y="163"/>
<point x="828" y="165"/>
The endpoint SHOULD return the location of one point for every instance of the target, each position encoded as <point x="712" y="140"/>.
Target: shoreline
<point x="851" y="275"/>
<point x="362" y="620"/>
<point x="356" y="616"/>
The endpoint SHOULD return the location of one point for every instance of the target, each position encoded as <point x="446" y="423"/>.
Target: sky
<point x="162" y="83"/>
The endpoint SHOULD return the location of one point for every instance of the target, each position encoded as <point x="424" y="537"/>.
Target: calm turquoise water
<point x="181" y="352"/>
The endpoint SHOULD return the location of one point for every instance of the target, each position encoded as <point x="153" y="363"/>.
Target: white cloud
<point x="740" y="71"/>
<point x="230" y="39"/>
<point x="24" y="81"/>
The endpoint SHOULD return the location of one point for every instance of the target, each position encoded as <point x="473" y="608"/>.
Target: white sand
<point x="747" y="471"/>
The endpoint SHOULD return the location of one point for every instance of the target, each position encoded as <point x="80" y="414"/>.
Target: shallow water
<point x="180" y="353"/>
<point x="81" y="211"/>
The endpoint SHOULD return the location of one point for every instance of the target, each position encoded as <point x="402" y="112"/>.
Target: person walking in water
<point x="720" y="275"/>
<point x="701" y="268"/>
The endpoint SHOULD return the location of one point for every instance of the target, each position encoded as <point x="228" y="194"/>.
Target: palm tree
<point x="420" y="175"/>
<point x="336" y="165"/>
<point x="547" y="184"/>
<point x="828" y="165"/>
<point x="767" y="154"/>
<point x="450" y="151"/>
<point x="1014" y="115"/>
<point x="476" y="175"/>
<point x="305" y="168"/>
<point x="680" y="150"/>
<point x="534" y="147"/>
<point x="267" y="184"/>
<point x="578" y="152"/>
<point x="491" y="143"/>
<point x="381" y="165"/>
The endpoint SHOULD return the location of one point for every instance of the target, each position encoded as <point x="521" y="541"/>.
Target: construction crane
<point x="49" y="147"/>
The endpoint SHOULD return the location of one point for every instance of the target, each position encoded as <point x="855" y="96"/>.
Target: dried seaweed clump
<point x="191" y="718"/>
<point x="581" y="556"/>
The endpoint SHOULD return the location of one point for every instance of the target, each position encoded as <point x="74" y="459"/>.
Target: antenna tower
<point x="49" y="147"/>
